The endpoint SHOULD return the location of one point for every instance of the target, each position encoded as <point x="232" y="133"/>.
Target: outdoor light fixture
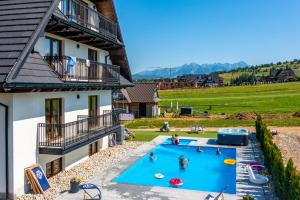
<point x="78" y="96"/>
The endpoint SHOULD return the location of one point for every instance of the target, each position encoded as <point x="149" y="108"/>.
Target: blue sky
<point x="163" y="33"/>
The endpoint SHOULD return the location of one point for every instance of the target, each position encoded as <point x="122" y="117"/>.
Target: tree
<point x="289" y="174"/>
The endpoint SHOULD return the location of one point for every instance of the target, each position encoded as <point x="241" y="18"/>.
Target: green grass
<point x="184" y="123"/>
<point x="150" y="135"/>
<point x="264" y="99"/>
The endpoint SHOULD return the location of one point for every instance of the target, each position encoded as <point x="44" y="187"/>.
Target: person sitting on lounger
<point x="152" y="157"/>
<point x="199" y="149"/>
<point x="183" y="162"/>
<point x="218" y="152"/>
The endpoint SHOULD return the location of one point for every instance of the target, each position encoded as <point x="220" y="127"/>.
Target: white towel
<point x="88" y="63"/>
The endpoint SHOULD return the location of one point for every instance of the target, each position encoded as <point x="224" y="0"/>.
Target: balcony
<point x="59" y="139"/>
<point x="80" y="70"/>
<point x="80" y="13"/>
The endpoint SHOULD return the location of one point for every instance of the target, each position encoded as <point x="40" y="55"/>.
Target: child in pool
<point x="218" y="152"/>
<point x="152" y="157"/>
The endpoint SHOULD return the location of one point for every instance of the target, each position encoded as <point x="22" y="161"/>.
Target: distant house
<point x="280" y="75"/>
<point x="166" y="85"/>
<point x="141" y="100"/>
<point x="191" y="81"/>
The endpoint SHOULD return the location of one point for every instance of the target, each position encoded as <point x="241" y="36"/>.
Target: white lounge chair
<point x="256" y="178"/>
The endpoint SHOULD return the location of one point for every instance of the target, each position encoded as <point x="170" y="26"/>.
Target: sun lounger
<point x="196" y="129"/>
<point x="256" y="178"/>
<point x="91" y="191"/>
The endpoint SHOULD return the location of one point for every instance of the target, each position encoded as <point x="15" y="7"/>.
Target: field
<point x="276" y="102"/>
<point x="263" y="99"/>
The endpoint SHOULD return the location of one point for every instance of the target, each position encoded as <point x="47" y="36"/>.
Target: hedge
<point x="286" y="180"/>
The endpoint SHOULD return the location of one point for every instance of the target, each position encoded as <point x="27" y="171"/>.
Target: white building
<point x="60" y="61"/>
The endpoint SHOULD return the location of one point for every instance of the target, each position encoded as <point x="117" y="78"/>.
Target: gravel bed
<point x="86" y="170"/>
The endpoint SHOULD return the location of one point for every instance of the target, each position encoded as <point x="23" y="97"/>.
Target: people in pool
<point x="152" y="157"/>
<point x="173" y="139"/>
<point x="199" y="149"/>
<point x="218" y="152"/>
<point x="183" y="162"/>
<point x="176" y="139"/>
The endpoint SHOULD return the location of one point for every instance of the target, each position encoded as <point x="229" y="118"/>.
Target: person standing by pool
<point x="183" y="162"/>
<point x="152" y="157"/>
<point x="218" y="152"/>
<point x="176" y="139"/>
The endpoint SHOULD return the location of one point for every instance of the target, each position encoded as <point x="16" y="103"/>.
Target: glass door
<point x="53" y="53"/>
<point x="53" y="114"/>
<point x="93" y="57"/>
<point x="93" y="111"/>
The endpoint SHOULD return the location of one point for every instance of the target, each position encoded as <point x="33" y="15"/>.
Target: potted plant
<point x="74" y="184"/>
<point x="248" y="197"/>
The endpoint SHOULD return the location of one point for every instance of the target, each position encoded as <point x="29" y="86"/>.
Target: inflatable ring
<point x="159" y="176"/>
<point x="176" y="182"/>
<point x="229" y="162"/>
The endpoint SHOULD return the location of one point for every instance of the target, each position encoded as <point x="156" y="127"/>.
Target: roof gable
<point x="21" y="23"/>
<point x="141" y="93"/>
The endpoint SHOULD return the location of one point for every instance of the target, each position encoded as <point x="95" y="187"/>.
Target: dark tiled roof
<point x="36" y="70"/>
<point x="21" y="23"/>
<point x="141" y="93"/>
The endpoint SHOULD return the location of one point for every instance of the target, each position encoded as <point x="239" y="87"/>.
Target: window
<point x="93" y="148"/>
<point x="54" y="167"/>
<point x="52" y="47"/>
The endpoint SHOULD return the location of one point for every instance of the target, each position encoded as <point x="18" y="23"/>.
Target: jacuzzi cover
<point x="233" y="131"/>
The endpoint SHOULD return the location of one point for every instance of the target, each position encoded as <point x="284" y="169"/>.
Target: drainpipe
<point x="6" y="151"/>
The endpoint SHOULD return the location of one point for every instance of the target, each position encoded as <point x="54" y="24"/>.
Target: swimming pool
<point x="181" y="141"/>
<point x="206" y="171"/>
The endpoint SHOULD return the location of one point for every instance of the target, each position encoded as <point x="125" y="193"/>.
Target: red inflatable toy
<point x="176" y="182"/>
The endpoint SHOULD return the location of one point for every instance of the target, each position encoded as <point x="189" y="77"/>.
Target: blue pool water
<point x="181" y="141"/>
<point x="206" y="171"/>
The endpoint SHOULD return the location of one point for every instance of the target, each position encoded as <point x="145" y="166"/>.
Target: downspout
<point x="6" y="152"/>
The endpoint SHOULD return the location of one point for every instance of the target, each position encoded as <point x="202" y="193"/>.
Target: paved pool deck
<point x="117" y="191"/>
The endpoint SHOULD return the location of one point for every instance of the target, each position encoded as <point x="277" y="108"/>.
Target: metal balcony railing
<point x="66" y="135"/>
<point x="79" y="12"/>
<point x="77" y="69"/>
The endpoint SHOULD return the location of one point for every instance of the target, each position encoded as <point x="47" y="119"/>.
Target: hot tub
<point x="233" y="136"/>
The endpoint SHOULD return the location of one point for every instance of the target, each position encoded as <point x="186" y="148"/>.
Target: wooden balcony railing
<point x="82" y="14"/>
<point x="64" y="136"/>
<point x="77" y="69"/>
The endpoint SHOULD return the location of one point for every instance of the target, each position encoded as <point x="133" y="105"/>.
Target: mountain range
<point x="192" y="68"/>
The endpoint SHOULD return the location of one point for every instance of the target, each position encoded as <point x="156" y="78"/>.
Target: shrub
<point x="248" y="197"/>
<point x="285" y="179"/>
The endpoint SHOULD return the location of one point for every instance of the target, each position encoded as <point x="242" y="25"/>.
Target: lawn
<point x="185" y="123"/>
<point x="150" y="135"/>
<point x="264" y="99"/>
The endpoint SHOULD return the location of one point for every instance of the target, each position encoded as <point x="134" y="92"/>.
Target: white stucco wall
<point x="69" y="48"/>
<point x="28" y="111"/>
